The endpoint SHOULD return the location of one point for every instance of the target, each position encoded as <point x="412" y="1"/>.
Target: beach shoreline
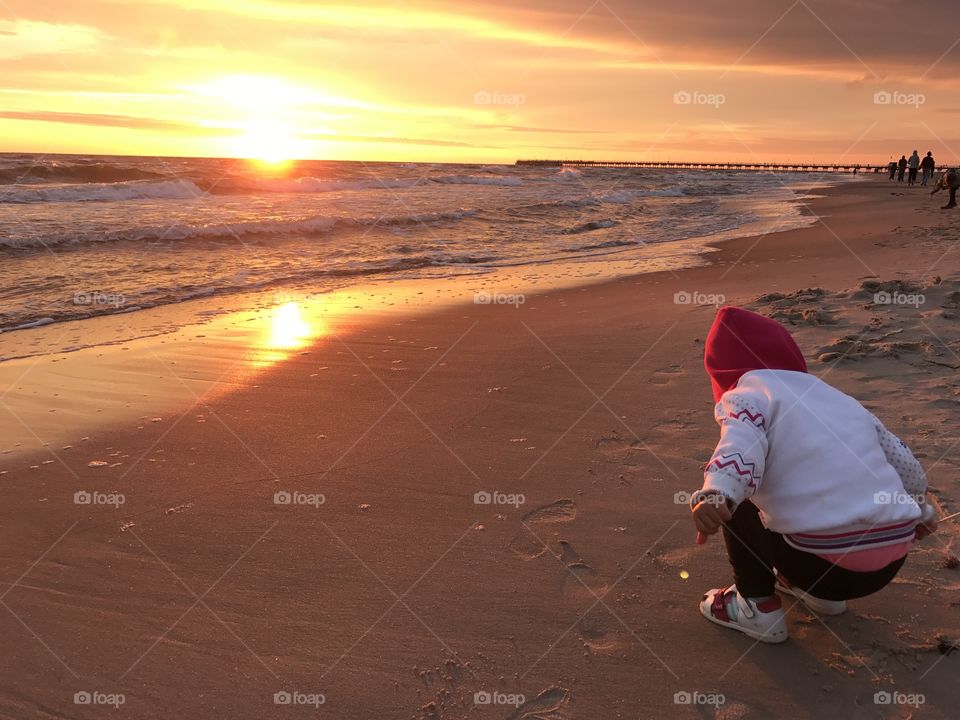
<point x="100" y="366"/>
<point x="406" y="510"/>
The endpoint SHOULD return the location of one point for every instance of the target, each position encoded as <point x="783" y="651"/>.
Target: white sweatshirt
<point x="822" y="470"/>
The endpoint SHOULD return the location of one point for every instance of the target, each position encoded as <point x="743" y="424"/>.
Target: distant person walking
<point x="914" y="164"/>
<point x="901" y="167"/>
<point x="927" y="165"/>
<point x="892" y="169"/>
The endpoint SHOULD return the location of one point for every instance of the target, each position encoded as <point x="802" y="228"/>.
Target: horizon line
<point x="441" y="162"/>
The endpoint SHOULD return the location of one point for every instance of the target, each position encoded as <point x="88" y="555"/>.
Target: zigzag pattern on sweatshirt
<point x="736" y="463"/>
<point x="756" y="418"/>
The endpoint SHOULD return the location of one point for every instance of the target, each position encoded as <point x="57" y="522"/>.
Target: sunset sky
<point x="482" y="81"/>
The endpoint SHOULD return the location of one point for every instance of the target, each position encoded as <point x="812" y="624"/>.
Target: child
<point x="815" y="496"/>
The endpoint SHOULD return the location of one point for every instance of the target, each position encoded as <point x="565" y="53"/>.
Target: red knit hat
<point x="741" y="341"/>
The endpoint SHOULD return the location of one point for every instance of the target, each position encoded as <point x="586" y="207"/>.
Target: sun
<point x="266" y="112"/>
<point x="269" y="142"/>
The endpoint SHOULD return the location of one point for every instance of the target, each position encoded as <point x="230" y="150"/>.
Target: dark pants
<point x="912" y="177"/>
<point x="953" y="198"/>
<point x="754" y="551"/>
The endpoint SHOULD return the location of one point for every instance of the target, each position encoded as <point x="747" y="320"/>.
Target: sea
<point x="83" y="236"/>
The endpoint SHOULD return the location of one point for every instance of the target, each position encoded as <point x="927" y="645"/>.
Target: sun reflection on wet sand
<point x="287" y="330"/>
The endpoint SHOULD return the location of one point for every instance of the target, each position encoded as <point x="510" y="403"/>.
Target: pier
<point x="769" y="167"/>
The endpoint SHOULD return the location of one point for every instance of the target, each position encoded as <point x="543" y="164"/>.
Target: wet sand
<point x="312" y="526"/>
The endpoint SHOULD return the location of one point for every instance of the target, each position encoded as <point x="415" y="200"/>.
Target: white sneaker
<point x="818" y="605"/>
<point x="764" y="621"/>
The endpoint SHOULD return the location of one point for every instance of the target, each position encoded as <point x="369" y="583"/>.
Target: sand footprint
<point x="600" y="633"/>
<point x="581" y="585"/>
<point x="665" y="376"/>
<point x="622" y="450"/>
<point x="580" y="582"/>
<point x="598" y="630"/>
<point x="557" y="511"/>
<point x="551" y="704"/>
<point x="527" y="543"/>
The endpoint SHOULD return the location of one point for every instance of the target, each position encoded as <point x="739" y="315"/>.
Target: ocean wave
<point x="232" y="232"/>
<point x="589" y="227"/>
<point x="320" y="185"/>
<point x="33" y="323"/>
<point x="617" y="197"/>
<point x="101" y="192"/>
<point x="310" y="184"/>
<point x="602" y="245"/>
<point x="623" y="197"/>
<point x="696" y="189"/>
<point x="54" y="172"/>
<point x="477" y="180"/>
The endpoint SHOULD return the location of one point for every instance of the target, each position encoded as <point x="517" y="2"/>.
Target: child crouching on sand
<point x="816" y="498"/>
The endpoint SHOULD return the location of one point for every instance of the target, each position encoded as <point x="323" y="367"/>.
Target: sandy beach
<point x="411" y="511"/>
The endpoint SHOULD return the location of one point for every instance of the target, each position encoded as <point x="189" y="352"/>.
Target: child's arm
<point x="912" y="476"/>
<point x="736" y="466"/>
<point x="911" y="473"/>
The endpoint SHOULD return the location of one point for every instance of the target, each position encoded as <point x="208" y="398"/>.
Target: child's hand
<point x="709" y="515"/>
<point x="928" y="520"/>
<point x="926" y="528"/>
